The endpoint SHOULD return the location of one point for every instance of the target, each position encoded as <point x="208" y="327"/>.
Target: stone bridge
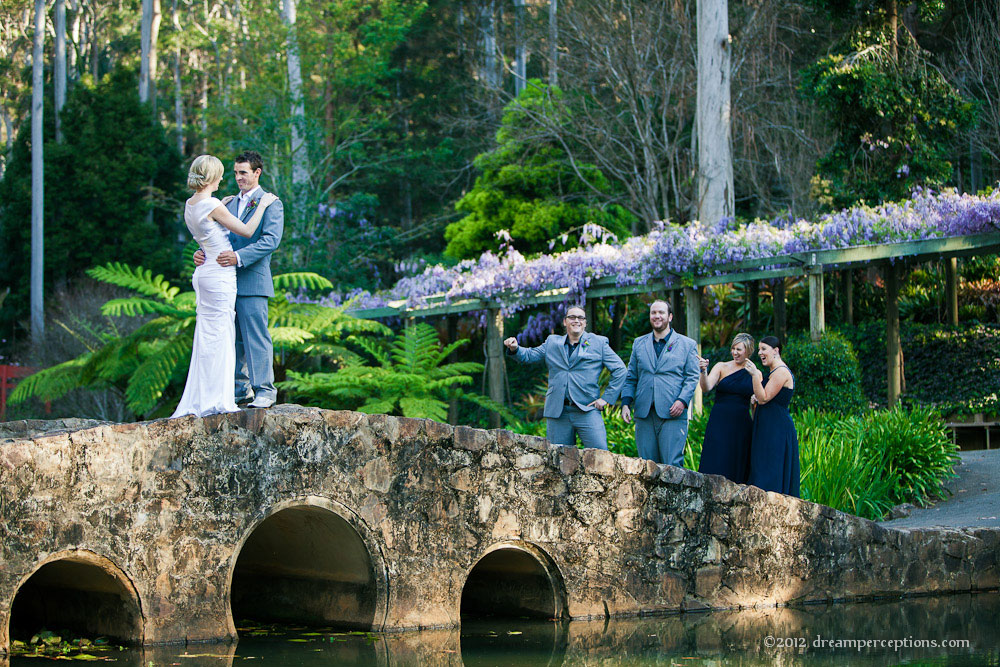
<point x="166" y="531"/>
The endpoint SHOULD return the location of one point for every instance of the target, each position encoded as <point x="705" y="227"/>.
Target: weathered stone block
<point x="569" y="460"/>
<point x="599" y="462"/>
<point x="473" y="439"/>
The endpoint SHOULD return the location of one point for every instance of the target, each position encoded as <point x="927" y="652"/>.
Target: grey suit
<point x="254" y="350"/>
<point x="573" y="385"/>
<point x="659" y="381"/>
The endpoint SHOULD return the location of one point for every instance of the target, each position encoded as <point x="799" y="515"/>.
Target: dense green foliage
<point x="150" y="364"/>
<point x="955" y="370"/>
<point x="869" y="463"/>
<point x="113" y="192"/>
<point x="531" y="189"/>
<point x="410" y="379"/>
<point x="897" y="119"/>
<point x="827" y="374"/>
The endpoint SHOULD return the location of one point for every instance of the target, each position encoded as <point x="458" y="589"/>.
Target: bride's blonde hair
<point x="204" y="170"/>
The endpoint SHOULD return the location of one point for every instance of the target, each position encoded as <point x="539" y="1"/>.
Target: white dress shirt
<point x="242" y="200"/>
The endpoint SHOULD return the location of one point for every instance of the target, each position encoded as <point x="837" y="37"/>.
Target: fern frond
<point x="427" y="408"/>
<point x="133" y="306"/>
<point x="378" y="407"/>
<point x="301" y="279"/>
<point x="289" y="335"/>
<point x="153" y="375"/>
<point x="488" y="403"/>
<point x="50" y="383"/>
<point x="448" y="349"/>
<point x="373" y="348"/>
<point x="139" y="279"/>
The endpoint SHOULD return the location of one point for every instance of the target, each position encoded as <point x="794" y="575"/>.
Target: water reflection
<point x="718" y="638"/>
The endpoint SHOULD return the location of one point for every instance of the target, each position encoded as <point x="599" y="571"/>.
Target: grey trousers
<point x="562" y="430"/>
<point x="254" y="351"/>
<point x="661" y="440"/>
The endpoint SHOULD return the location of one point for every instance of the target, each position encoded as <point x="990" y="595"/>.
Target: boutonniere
<point x="252" y="205"/>
<point x="586" y="343"/>
<point x="670" y="347"/>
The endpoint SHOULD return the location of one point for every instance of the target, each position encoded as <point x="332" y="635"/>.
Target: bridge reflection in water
<point x="728" y="637"/>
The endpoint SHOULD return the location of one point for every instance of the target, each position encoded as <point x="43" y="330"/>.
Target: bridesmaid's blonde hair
<point x="204" y="170"/>
<point x="747" y="341"/>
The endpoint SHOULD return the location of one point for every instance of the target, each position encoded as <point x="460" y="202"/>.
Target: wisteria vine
<point x="670" y="251"/>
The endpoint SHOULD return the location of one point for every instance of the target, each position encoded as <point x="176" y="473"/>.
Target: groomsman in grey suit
<point x="254" y="286"/>
<point x="572" y="404"/>
<point x="662" y="375"/>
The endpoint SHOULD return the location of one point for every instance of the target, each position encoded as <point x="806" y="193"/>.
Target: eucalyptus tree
<point x="149" y="31"/>
<point x="59" y="64"/>
<point x="716" y="198"/>
<point x="37" y="177"/>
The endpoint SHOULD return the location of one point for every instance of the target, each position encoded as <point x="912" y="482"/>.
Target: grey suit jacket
<point x="576" y="377"/>
<point x="671" y="376"/>
<point x="254" y="277"/>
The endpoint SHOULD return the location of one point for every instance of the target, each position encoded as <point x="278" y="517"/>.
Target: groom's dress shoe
<point x="243" y="400"/>
<point x="262" y="402"/>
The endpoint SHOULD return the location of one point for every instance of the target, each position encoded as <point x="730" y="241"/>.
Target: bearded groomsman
<point x="662" y="376"/>
<point x="572" y="404"/>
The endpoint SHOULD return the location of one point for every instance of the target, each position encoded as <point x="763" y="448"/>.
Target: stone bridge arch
<point x="78" y="590"/>
<point x="309" y="559"/>
<point x="514" y="578"/>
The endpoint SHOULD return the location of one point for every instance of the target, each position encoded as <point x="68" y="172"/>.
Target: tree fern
<point x="151" y="378"/>
<point x="150" y="364"/>
<point x="408" y="378"/>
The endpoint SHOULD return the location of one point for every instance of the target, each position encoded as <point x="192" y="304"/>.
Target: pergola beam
<point x="767" y="268"/>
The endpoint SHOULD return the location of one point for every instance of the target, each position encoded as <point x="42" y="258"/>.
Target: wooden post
<point x="951" y="289"/>
<point x="753" y="305"/>
<point x="780" y="315"/>
<point x="452" y="323"/>
<point x="677" y="308"/>
<point x="616" y="324"/>
<point x="692" y="303"/>
<point x="847" y="294"/>
<point x="817" y="319"/>
<point x="893" y="351"/>
<point x="496" y="370"/>
<point x="592" y="314"/>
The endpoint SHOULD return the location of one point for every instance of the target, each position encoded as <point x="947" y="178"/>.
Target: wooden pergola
<point x="813" y="265"/>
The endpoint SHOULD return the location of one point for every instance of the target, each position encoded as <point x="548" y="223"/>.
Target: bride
<point x="210" y="386"/>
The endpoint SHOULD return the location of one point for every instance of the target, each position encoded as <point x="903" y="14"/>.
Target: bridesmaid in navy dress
<point x="774" y="450"/>
<point x="727" y="436"/>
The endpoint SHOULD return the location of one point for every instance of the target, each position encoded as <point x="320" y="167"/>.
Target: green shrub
<point x="866" y="464"/>
<point x="969" y="352"/>
<point x="827" y="375"/>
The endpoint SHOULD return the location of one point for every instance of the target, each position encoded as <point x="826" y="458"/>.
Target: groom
<point x="252" y="259"/>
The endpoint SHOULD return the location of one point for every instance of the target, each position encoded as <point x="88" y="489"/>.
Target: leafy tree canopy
<point x="530" y="188"/>
<point x="113" y="191"/>
<point x="897" y="121"/>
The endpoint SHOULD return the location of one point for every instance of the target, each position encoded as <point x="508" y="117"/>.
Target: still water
<point x="948" y="630"/>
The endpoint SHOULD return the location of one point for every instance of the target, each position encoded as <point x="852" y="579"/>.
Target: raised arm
<point x="222" y="215"/>
<point x="525" y="355"/>
<point x="777" y="380"/>
<point x="709" y="380"/>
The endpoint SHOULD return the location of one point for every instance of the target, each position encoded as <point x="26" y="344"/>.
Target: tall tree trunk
<point x="521" y="55"/>
<point x="716" y="199"/>
<point x="300" y="175"/>
<point x="74" y="33"/>
<point x="178" y="89"/>
<point x="37" y="177"/>
<point x="892" y="18"/>
<point x="59" y="66"/>
<point x="553" y="42"/>
<point x="488" y="44"/>
<point x="150" y="32"/>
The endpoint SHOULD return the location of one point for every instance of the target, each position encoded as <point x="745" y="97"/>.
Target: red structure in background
<point x="7" y="376"/>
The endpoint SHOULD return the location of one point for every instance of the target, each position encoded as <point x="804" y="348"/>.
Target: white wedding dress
<point x="210" y="386"/>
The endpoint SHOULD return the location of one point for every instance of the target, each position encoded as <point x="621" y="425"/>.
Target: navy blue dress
<point x="726" y="450"/>
<point x="774" y="450"/>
